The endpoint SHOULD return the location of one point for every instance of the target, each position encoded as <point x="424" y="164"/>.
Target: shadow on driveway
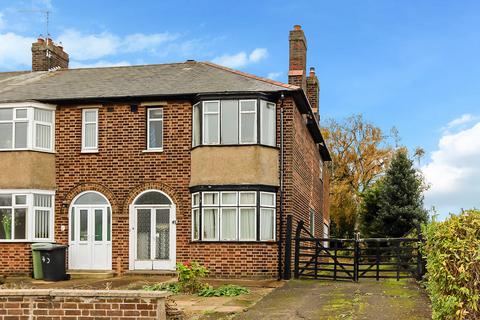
<point x="313" y="299"/>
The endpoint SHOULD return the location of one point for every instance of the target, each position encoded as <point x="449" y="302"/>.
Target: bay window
<point x="233" y="216"/>
<point x="25" y="127"/>
<point x="232" y="122"/>
<point x="26" y="215"/>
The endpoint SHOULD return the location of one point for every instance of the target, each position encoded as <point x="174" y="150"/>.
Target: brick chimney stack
<point x="297" y="73"/>
<point x="298" y="58"/>
<point x="47" y="56"/>
<point x="313" y="92"/>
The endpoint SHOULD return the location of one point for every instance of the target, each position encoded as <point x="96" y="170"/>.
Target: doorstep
<point x="90" y="274"/>
<point x="171" y="273"/>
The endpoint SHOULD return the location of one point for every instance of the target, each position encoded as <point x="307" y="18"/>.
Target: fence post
<point x="356" y="256"/>
<point x="297" y="249"/>
<point x="288" y="249"/>
<point x="420" y="270"/>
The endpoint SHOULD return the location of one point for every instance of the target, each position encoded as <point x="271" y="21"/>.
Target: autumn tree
<point x="360" y="154"/>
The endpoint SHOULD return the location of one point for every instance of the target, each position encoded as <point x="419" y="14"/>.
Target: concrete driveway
<point x="311" y="299"/>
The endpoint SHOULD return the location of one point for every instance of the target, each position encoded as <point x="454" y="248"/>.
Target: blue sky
<point x="409" y="64"/>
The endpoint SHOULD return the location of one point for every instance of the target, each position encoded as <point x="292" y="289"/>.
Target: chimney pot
<point x="312" y="71"/>
<point x="40" y="40"/>
<point x="297" y="27"/>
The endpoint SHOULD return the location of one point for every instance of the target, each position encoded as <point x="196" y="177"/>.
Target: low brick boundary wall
<point x="81" y="304"/>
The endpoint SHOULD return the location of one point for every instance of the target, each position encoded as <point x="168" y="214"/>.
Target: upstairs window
<point x="155" y="129"/>
<point x="232" y="122"/>
<point x="26" y="127"/>
<point x="90" y="130"/>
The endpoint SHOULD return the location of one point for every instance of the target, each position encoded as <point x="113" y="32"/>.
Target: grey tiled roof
<point x="132" y="81"/>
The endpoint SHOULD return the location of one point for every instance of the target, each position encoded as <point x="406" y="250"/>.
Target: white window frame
<point x="240" y="112"/>
<point x="236" y="222"/>
<point x="220" y="206"/>
<point x="198" y="107"/>
<point x="216" y="236"/>
<point x="30" y="217"/>
<point x="271" y="207"/>
<point x="204" y="113"/>
<point x="31" y="122"/>
<point x="262" y="115"/>
<point x="157" y="149"/>
<point x="196" y="207"/>
<point x="86" y="149"/>
<point x="240" y="224"/>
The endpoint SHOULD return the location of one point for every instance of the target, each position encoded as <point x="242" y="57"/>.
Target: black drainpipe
<point x="280" y="241"/>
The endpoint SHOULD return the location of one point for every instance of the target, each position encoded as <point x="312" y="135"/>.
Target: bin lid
<point x="41" y="246"/>
<point x="48" y="247"/>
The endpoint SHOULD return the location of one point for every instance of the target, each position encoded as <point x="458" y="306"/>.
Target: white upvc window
<point x="155" y="129"/>
<point x="27" y="126"/>
<point x="268" y="124"/>
<point x="248" y="121"/>
<point x="26" y="215"/>
<point x="197" y="124"/>
<point x="196" y="216"/>
<point x="233" y="216"/>
<point x="211" y="122"/>
<point x="89" y="130"/>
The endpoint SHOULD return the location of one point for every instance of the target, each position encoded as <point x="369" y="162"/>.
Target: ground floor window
<point x="233" y="215"/>
<point x="26" y="215"/>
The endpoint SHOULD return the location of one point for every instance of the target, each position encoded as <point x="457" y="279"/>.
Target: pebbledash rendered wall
<point x="121" y="170"/>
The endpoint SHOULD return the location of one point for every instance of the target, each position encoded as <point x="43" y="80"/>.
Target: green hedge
<point x="452" y="250"/>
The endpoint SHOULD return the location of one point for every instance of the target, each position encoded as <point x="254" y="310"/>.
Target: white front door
<point x="90" y="238"/>
<point x="153" y="237"/>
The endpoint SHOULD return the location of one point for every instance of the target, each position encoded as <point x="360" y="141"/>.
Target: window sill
<point x="235" y="145"/>
<point x="89" y="151"/>
<point x="235" y="241"/>
<point x="27" y="241"/>
<point x="152" y="151"/>
<point x="24" y="149"/>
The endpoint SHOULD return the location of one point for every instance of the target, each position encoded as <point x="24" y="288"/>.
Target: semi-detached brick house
<point x="136" y="168"/>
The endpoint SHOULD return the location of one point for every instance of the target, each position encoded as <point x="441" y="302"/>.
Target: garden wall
<point x="81" y="304"/>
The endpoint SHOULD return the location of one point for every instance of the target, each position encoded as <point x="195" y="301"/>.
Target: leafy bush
<point x="190" y="275"/>
<point x="452" y="250"/>
<point x="223" y="291"/>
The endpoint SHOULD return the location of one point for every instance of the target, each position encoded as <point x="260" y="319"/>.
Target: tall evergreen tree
<point x="396" y="205"/>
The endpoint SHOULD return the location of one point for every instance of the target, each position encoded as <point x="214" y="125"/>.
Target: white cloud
<point x="241" y="59"/>
<point x="462" y="120"/>
<point x="83" y="46"/>
<point x="98" y="64"/>
<point x="258" y="54"/>
<point x="139" y="41"/>
<point x="89" y="46"/>
<point x="454" y="171"/>
<point x="15" y="50"/>
<point x="274" y="75"/>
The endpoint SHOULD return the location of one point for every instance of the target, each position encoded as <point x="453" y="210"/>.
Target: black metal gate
<point x="352" y="259"/>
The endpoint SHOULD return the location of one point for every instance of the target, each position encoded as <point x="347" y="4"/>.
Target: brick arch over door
<point x="87" y="186"/>
<point x="150" y="186"/>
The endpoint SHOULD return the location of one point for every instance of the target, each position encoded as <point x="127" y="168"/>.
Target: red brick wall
<point x="121" y="171"/>
<point x="15" y="258"/>
<point x="60" y="304"/>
